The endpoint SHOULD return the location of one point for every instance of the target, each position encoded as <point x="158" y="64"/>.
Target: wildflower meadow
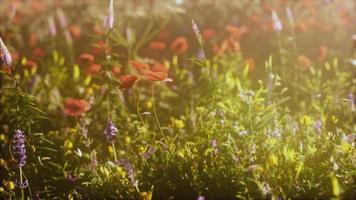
<point x="177" y="99"/>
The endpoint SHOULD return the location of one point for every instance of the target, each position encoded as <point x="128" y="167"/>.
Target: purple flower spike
<point x="19" y="147"/>
<point x="110" y="131"/>
<point x="52" y="26"/>
<point x="109" y="18"/>
<point x="5" y="56"/>
<point x="129" y="171"/>
<point x="277" y="24"/>
<point x="201" y="198"/>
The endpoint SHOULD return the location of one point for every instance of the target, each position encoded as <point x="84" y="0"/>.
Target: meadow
<point x="177" y="99"/>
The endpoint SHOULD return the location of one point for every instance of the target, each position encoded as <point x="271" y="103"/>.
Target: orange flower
<point x="155" y="72"/>
<point x="32" y="40"/>
<point x="208" y="33"/>
<point x="30" y="64"/>
<point x="139" y="66"/>
<point x="159" y="67"/>
<point x="75" y="31"/>
<point x="127" y="81"/>
<point x="93" y="69"/>
<point x="179" y="45"/>
<point x="304" y="62"/>
<point x="155" y="76"/>
<point x="98" y="29"/>
<point x="116" y="70"/>
<point x="100" y="48"/>
<point x="302" y="26"/>
<point x="38" y="53"/>
<point x="164" y="35"/>
<point x="75" y="107"/>
<point x="157" y="45"/>
<point x="86" y="58"/>
<point x="322" y="52"/>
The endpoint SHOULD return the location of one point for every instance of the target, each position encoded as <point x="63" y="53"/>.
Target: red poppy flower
<point x="304" y="62"/>
<point x="98" y="29"/>
<point x="30" y="64"/>
<point x="164" y="35"/>
<point x="208" y="33"/>
<point x="322" y="52"/>
<point x="139" y="66"/>
<point x="86" y="58"/>
<point x="15" y="56"/>
<point x="75" y="31"/>
<point x="38" y="53"/>
<point x="32" y="40"/>
<point x="179" y="45"/>
<point x="127" y="81"/>
<point x="75" y="107"/>
<point x="156" y="76"/>
<point x="157" y="45"/>
<point x="100" y="48"/>
<point x="93" y="69"/>
<point x="159" y="67"/>
<point x="116" y="70"/>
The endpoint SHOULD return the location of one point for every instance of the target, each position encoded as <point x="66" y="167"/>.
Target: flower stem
<point x="114" y="151"/>
<point x="138" y="106"/>
<point x="22" y="192"/>
<point x="154" y="109"/>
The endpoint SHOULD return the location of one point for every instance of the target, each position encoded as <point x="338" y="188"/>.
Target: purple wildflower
<point x="21" y="185"/>
<point x="110" y="131"/>
<point x="94" y="161"/>
<point x="19" y="147"/>
<point x="197" y="32"/>
<point x="201" y="198"/>
<point x="277" y="24"/>
<point x="214" y="145"/>
<point x="62" y="18"/>
<point x="318" y="126"/>
<point x="5" y="56"/>
<point x="149" y="152"/>
<point x="52" y="26"/>
<point x="109" y="18"/>
<point x="129" y="171"/>
<point x="290" y="16"/>
<point x="71" y="177"/>
<point x="351" y="138"/>
<point x="243" y="133"/>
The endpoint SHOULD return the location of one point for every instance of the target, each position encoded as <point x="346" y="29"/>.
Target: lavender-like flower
<point x="21" y="185"/>
<point x="197" y="32"/>
<point x="277" y="24"/>
<point x="19" y="147"/>
<point x="110" y="131"/>
<point x="52" y="26"/>
<point x="109" y="18"/>
<point x="290" y="16"/>
<point x="62" y="18"/>
<point x="5" y="56"/>
<point x="129" y="171"/>
<point x="94" y="161"/>
<point x="318" y="125"/>
<point x="201" y="198"/>
<point x="214" y="145"/>
<point x="149" y="152"/>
